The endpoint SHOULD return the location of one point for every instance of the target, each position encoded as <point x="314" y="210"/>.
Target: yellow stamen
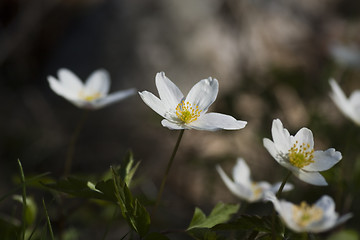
<point x="257" y="190"/>
<point x="304" y="214"/>
<point x="89" y="97"/>
<point x="186" y="112"/>
<point x="301" y="156"/>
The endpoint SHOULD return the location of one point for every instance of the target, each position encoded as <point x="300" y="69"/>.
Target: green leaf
<point x="10" y="227"/>
<point x="83" y="188"/>
<point x="156" y="236"/>
<point x="132" y="210"/>
<point x="127" y="170"/>
<point x="220" y="214"/>
<point x="30" y="211"/>
<point x="344" y="234"/>
<point x="255" y="223"/>
<point x="204" y="234"/>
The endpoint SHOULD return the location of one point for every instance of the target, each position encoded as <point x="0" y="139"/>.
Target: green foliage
<point x="30" y="209"/>
<point x="200" y="225"/>
<point x="156" y="236"/>
<point x="221" y="213"/>
<point x="127" y="172"/>
<point x="344" y="234"/>
<point x="114" y="190"/>
<point x="131" y="209"/>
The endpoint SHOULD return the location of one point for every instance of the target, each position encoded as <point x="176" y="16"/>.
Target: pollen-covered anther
<point x="186" y="112"/>
<point x="301" y="156"/>
<point x="303" y="215"/>
<point x="89" y="97"/>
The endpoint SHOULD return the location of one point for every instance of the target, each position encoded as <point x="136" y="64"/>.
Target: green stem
<point x="48" y="221"/>
<point x="278" y="194"/>
<point x="168" y="168"/>
<point x="22" y="176"/>
<point x="74" y="137"/>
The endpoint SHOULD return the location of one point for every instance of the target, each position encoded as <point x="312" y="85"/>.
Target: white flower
<point x="297" y="154"/>
<point x="91" y="95"/>
<point x="243" y="187"/>
<point x="190" y="112"/>
<point x="316" y="218"/>
<point x="349" y="106"/>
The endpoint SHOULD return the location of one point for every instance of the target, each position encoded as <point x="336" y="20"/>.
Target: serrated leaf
<point x="255" y="223"/>
<point x="220" y="214"/>
<point x="127" y="170"/>
<point x="132" y="210"/>
<point x="80" y="188"/>
<point x="204" y="234"/>
<point x="156" y="236"/>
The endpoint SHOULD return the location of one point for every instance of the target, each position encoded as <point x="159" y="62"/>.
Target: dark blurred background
<point x="273" y="59"/>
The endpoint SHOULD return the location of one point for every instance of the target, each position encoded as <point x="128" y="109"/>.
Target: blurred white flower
<point x="316" y="218"/>
<point x="297" y="154"/>
<point x="91" y="95"/>
<point x="349" y="106"/>
<point x="242" y="185"/>
<point x="190" y="112"/>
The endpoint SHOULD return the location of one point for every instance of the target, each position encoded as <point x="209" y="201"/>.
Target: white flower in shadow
<point x="243" y="187"/>
<point x="316" y="218"/>
<point x="91" y="95"/>
<point x="297" y="153"/>
<point x="350" y="107"/>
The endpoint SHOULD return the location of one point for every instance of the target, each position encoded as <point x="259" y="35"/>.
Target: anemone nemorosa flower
<point x="190" y="112"/>
<point x="350" y="107"/>
<point x="91" y="95"/>
<point x="297" y="154"/>
<point x="243" y="187"/>
<point x="319" y="217"/>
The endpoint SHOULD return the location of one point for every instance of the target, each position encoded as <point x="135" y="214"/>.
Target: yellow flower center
<point x="89" y="97"/>
<point x="303" y="215"/>
<point x="257" y="190"/>
<point x="186" y="112"/>
<point x="301" y="156"/>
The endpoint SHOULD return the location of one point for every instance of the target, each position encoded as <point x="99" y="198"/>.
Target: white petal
<point x="323" y="160"/>
<point x="59" y="89"/>
<point x="304" y="135"/>
<point x="241" y="172"/>
<point x="281" y="136"/>
<point x="339" y="98"/>
<point x="169" y="93"/>
<point x="153" y="102"/>
<point x="285" y="210"/>
<point x="98" y="82"/>
<point x="217" y="121"/>
<point x="327" y="204"/>
<point x="203" y="94"/>
<point x="112" y="98"/>
<point x="69" y="80"/>
<point x="172" y="125"/>
<point x="270" y="146"/>
<point x="313" y="178"/>
<point x="237" y="189"/>
<point x="355" y="106"/>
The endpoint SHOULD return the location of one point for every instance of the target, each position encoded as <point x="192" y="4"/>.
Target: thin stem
<point x="278" y="194"/>
<point x="168" y="168"/>
<point x="74" y="137"/>
<point x="22" y="176"/>
<point x="48" y="221"/>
